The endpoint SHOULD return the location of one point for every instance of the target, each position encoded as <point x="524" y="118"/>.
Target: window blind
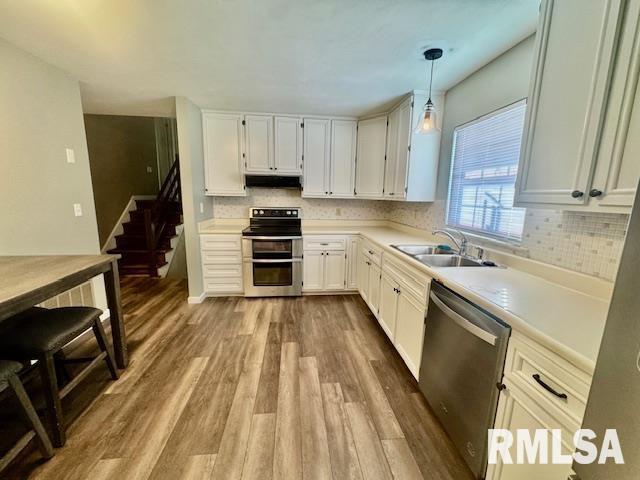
<point x="484" y="166"/>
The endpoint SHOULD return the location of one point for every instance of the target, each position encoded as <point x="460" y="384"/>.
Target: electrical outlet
<point x="77" y="209"/>
<point x="149" y="169"/>
<point x="201" y="207"/>
<point x="71" y="155"/>
<point x="338" y="212"/>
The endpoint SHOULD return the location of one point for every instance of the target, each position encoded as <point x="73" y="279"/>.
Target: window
<point x="484" y="166"/>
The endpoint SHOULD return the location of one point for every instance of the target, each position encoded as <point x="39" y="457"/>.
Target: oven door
<point x="272" y="266"/>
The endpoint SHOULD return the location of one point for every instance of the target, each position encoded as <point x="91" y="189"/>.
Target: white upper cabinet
<point x="370" y="163"/>
<point x="343" y="158"/>
<point x="223" y="164"/>
<point x="618" y="165"/>
<point x="576" y="48"/>
<point x="259" y="144"/>
<point x="411" y="169"/>
<point x="288" y="146"/>
<point x="317" y="154"/>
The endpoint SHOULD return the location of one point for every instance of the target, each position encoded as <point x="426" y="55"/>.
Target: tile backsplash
<point x="312" y="208"/>
<point x="589" y="243"/>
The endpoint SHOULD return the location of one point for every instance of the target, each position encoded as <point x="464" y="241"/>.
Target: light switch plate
<point x="71" y="155"/>
<point x="149" y="169"/>
<point x="77" y="209"/>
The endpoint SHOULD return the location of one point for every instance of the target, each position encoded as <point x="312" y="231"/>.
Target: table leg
<point x="112" y="285"/>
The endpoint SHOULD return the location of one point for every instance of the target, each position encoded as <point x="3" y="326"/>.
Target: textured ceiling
<point x="344" y="57"/>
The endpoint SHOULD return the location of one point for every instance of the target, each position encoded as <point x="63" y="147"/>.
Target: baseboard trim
<point x="199" y="299"/>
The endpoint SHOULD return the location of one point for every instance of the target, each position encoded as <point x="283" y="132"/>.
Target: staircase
<point x="152" y="231"/>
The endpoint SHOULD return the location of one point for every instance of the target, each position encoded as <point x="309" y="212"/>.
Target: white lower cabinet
<point x="388" y="305"/>
<point x="352" y="263"/>
<point x="221" y="258"/>
<point x="374" y="288"/>
<point x="532" y="374"/>
<point x="401" y="316"/>
<point x="517" y="410"/>
<point x="325" y="263"/>
<point x="410" y="330"/>
<point x="313" y="267"/>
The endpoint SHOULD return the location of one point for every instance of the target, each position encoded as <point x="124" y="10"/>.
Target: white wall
<point x="503" y="81"/>
<point x="190" y="146"/>
<point x="41" y="116"/>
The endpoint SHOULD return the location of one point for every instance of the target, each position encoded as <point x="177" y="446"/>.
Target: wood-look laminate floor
<point x="239" y="388"/>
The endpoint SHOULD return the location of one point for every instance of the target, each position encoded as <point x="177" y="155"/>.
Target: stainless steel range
<point x="272" y="253"/>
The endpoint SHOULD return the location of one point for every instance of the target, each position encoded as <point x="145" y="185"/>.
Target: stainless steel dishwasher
<point x="461" y="371"/>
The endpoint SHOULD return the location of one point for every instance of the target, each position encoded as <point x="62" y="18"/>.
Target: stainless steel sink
<point x="414" y="250"/>
<point x="433" y="256"/>
<point x="448" y="261"/>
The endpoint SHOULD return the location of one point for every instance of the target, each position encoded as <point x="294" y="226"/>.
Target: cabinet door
<point x="288" y="145"/>
<point x="618" y="168"/>
<point x="410" y="330"/>
<point x="313" y="267"/>
<point x="372" y="140"/>
<point x="363" y="275"/>
<point x="516" y="410"/>
<point x="335" y="270"/>
<point x="573" y="57"/>
<point x="343" y="158"/>
<point x="402" y="148"/>
<point x="388" y="305"/>
<point x="352" y="263"/>
<point x="391" y="159"/>
<point x="223" y="166"/>
<point x="374" y="288"/>
<point x="317" y="137"/>
<point x="259" y="143"/>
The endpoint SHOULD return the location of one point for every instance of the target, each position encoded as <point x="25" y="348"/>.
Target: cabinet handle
<point x="324" y="244"/>
<point x="391" y="193"/>
<point x="577" y="194"/>
<point x="326" y="193"/>
<point x="501" y="386"/>
<point x="370" y="252"/>
<point x="549" y="389"/>
<point x="595" y="193"/>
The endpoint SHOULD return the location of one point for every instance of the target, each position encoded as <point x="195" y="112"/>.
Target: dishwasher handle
<point x="463" y="322"/>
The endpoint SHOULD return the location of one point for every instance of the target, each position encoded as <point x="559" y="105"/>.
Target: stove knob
<point x="255" y="212"/>
<point x="261" y="212"/>
<point x="288" y="212"/>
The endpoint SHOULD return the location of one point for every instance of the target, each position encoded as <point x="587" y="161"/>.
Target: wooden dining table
<point x="26" y="281"/>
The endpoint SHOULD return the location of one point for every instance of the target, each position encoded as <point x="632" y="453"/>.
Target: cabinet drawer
<point x="372" y="252"/>
<point x="220" y="270"/>
<point x="323" y="242"/>
<point x="223" y="284"/>
<point x="220" y="242"/>
<point x="525" y="358"/>
<point x="410" y="278"/>
<point x="221" y="257"/>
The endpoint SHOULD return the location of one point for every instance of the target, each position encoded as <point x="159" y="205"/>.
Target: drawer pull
<point x="370" y="252"/>
<point x="549" y="389"/>
<point x="324" y="244"/>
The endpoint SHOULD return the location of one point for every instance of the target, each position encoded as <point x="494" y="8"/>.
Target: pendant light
<point x="427" y="123"/>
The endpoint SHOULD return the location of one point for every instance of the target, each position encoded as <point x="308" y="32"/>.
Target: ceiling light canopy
<point x="427" y="123"/>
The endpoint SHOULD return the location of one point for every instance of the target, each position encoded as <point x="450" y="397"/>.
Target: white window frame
<point x="475" y="232"/>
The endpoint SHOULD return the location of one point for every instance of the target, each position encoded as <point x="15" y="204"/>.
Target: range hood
<point x="272" y="181"/>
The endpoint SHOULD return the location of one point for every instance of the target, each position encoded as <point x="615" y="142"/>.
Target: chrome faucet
<point x="461" y="243"/>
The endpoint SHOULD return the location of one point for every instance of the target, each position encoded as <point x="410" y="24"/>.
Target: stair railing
<point x="156" y="218"/>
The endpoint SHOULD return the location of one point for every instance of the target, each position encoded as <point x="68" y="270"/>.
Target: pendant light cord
<point x="431" y="80"/>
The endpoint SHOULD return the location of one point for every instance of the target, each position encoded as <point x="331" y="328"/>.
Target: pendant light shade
<point x="427" y="123"/>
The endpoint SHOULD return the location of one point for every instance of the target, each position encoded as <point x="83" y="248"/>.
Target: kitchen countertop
<point x="566" y="321"/>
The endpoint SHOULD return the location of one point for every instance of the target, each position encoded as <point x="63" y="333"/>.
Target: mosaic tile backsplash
<point x="312" y="208"/>
<point x="589" y="243"/>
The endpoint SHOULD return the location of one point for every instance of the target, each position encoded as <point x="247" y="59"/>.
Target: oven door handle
<point x="274" y="238"/>
<point x="273" y="260"/>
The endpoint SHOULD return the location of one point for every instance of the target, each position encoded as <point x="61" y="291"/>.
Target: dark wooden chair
<point x="9" y="379"/>
<point x="40" y="334"/>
